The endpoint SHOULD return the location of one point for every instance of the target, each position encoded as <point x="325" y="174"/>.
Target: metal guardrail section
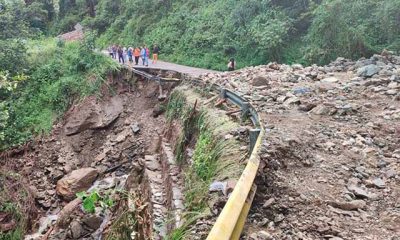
<point x="230" y="222"/>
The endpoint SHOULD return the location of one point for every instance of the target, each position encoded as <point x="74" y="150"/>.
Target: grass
<point x="214" y="158"/>
<point x="17" y="203"/>
<point x="122" y="227"/>
<point x="59" y="75"/>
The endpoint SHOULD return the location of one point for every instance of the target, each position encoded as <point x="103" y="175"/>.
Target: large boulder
<point x="77" y="181"/>
<point x="260" y="80"/>
<point x="92" y="114"/>
<point x="368" y="71"/>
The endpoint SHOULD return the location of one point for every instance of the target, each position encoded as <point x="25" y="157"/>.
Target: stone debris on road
<point x="331" y="153"/>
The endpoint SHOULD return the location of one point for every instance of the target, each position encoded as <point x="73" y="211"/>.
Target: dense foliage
<point x="40" y="78"/>
<point x="49" y="86"/>
<point x="206" y="33"/>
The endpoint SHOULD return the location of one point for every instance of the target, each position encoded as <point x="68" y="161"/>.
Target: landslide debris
<point x="331" y="154"/>
<point x="90" y="153"/>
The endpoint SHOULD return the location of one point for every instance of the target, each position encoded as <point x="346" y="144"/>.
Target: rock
<point x="368" y="71"/>
<point x="301" y="90"/>
<point x="34" y="191"/>
<point x="263" y="235"/>
<point x="56" y="175"/>
<point x="322" y="110"/>
<point x="77" y="181"/>
<point x="135" y="128"/>
<point x="382" y="164"/>
<point x="279" y="218"/>
<point x="378" y="183"/>
<point x="217" y="186"/>
<point x="92" y="115"/>
<point x="358" y="192"/>
<point x="269" y="202"/>
<point x="93" y="221"/>
<point x="281" y="99"/>
<point x="260" y="81"/>
<point x="121" y="137"/>
<point x="390" y="173"/>
<point x="152" y="163"/>
<point x="325" y="87"/>
<point x="393" y="85"/>
<point x="76" y="230"/>
<point x="291" y="101"/>
<point x="157" y="111"/>
<point x="391" y="92"/>
<point x="297" y="66"/>
<point x="330" y="80"/>
<point x="352" y="205"/>
<point x="305" y="107"/>
<point x="257" y="98"/>
<point x="64" y="217"/>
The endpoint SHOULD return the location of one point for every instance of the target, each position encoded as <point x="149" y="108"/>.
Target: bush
<point x="352" y="29"/>
<point x="68" y="74"/>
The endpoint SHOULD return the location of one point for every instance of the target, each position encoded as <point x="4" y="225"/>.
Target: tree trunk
<point x="91" y="7"/>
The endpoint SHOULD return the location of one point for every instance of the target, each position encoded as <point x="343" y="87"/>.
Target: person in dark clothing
<point x="114" y="51"/>
<point x="121" y="55"/>
<point x="231" y="64"/>
<point x="156" y="50"/>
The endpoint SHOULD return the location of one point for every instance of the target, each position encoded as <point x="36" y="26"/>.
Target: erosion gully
<point x="119" y="147"/>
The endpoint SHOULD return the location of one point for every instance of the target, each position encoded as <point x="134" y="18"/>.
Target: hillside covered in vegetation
<point x="206" y="33"/>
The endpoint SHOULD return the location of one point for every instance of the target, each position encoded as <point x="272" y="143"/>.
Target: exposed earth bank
<point x="102" y="143"/>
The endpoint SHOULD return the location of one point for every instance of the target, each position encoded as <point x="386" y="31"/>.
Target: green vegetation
<point x="93" y="199"/>
<point x="122" y="227"/>
<point x="214" y="158"/>
<point x="57" y="77"/>
<point x="207" y="33"/>
<point x="40" y="77"/>
<point x="17" y="206"/>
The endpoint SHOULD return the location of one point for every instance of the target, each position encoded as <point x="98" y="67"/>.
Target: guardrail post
<point x="253" y="134"/>
<point x="245" y="108"/>
<point x="223" y="93"/>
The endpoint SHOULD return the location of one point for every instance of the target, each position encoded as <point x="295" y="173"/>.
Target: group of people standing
<point x="131" y="54"/>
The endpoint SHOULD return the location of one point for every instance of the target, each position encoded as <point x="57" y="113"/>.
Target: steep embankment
<point x="330" y="158"/>
<point x="107" y="139"/>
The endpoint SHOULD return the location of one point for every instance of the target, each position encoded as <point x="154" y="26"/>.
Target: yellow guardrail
<point x="230" y="221"/>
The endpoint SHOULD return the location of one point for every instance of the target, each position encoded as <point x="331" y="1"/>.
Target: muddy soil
<point x="109" y="134"/>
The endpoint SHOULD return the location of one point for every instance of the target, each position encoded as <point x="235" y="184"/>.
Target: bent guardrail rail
<point x="231" y="220"/>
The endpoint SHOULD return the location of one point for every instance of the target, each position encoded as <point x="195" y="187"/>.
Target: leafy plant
<point x="92" y="200"/>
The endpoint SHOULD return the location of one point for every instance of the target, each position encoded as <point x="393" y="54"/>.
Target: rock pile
<point x="330" y="158"/>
